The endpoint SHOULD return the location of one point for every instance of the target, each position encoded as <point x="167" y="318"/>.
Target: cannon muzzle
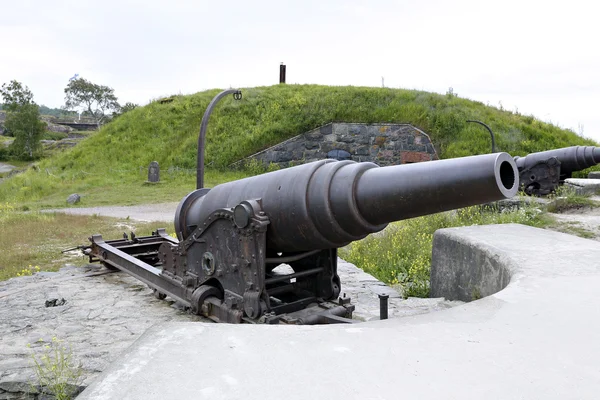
<point x="328" y="204"/>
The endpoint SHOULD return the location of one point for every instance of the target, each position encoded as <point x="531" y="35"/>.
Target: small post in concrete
<point x="383" y="306"/>
<point x="154" y="172"/>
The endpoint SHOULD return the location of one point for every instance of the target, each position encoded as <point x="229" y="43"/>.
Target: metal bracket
<point x="237" y="95"/>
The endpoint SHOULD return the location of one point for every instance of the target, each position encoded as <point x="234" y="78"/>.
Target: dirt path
<point x="164" y="212"/>
<point x="582" y="221"/>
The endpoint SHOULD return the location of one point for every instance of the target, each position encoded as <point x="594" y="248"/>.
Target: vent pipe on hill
<point x="282" y="73"/>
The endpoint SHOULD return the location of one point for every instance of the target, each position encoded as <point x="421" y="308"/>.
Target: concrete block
<point x="594" y="175"/>
<point x="584" y="186"/>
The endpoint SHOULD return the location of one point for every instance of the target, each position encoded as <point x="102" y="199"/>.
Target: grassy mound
<point x="114" y="160"/>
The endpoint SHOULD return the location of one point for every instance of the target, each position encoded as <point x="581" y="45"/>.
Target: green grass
<point x="401" y="254"/>
<point x="168" y="133"/>
<point x="572" y="229"/>
<point x="566" y="198"/>
<point x="39" y="189"/>
<point x="32" y="241"/>
<point x="48" y="135"/>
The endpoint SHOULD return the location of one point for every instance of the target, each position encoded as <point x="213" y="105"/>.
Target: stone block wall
<point x="383" y="144"/>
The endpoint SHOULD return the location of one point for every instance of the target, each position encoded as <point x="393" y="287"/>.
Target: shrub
<point x="56" y="371"/>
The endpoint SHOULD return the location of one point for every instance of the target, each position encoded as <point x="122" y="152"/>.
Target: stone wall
<point x="383" y="144"/>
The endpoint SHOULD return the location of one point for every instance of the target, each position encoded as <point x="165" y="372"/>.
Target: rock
<point x="17" y="390"/>
<point x="74" y="198"/>
<point x="58" y="128"/>
<point x="6" y="168"/>
<point x="55" y="302"/>
<point x="386" y="144"/>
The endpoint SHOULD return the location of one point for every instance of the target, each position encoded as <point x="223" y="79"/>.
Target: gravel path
<point x="585" y="218"/>
<point x="164" y="212"/>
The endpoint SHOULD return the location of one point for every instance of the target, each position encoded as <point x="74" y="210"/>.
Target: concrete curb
<point x="534" y="339"/>
<point x="583" y="186"/>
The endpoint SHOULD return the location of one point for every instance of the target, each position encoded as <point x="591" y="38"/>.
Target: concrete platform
<point x="583" y="186"/>
<point x="536" y="338"/>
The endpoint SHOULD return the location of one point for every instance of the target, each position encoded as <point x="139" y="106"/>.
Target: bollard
<point x="383" y="306"/>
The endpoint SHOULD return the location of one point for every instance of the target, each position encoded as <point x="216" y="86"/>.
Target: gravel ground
<point x="164" y="212"/>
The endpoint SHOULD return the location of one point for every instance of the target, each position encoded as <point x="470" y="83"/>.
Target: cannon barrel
<point x="328" y="204"/>
<point x="571" y="159"/>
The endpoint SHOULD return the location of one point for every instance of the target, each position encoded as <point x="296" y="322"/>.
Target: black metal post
<point x="383" y="306"/>
<point x="237" y="95"/>
<point x="491" y="133"/>
<point x="282" y="73"/>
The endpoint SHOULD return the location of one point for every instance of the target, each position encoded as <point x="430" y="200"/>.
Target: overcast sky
<point x="540" y="57"/>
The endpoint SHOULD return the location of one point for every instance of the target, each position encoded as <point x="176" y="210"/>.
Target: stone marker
<point x="154" y="172"/>
<point x="74" y="198"/>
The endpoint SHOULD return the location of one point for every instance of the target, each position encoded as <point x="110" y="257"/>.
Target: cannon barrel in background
<point x="572" y="159"/>
<point x="328" y="204"/>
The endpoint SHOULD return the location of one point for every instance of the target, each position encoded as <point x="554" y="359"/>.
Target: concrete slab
<point x="535" y="339"/>
<point x="583" y="186"/>
<point x="594" y="175"/>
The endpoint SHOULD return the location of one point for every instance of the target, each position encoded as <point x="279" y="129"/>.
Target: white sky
<point x="540" y="57"/>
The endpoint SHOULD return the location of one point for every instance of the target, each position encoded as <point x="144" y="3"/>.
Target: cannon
<point x="540" y="173"/>
<point x="264" y="249"/>
<point x="233" y="239"/>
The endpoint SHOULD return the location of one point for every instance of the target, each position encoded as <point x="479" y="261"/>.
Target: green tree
<point x="22" y="120"/>
<point x="97" y="101"/>
<point x="125" y="108"/>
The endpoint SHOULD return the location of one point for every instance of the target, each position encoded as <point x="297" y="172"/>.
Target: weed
<point x="573" y="228"/>
<point x="567" y="198"/>
<point x="28" y="271"/>
<point x="56" y="371"/>
<point x="32" y="239"/>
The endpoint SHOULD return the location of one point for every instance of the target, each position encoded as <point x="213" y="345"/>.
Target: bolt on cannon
<point x="232" y="238"/>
